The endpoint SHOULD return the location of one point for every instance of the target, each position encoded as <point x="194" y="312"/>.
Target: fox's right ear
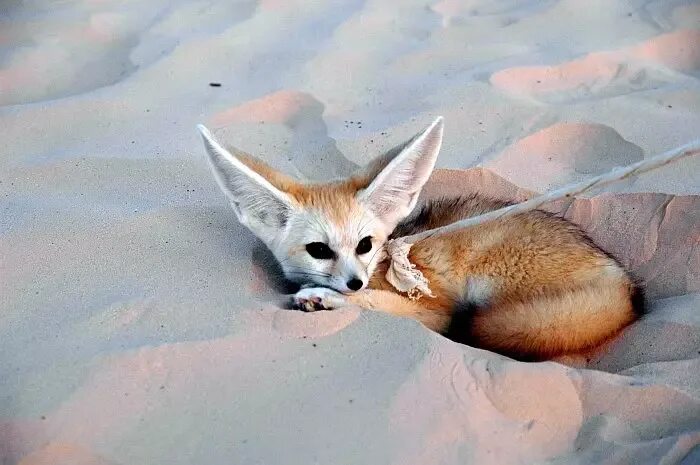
<point x="258" y="204"/>
<point x="400" y="175"/>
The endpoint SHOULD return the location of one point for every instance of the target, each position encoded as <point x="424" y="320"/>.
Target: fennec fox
<point x="531" y="286"/>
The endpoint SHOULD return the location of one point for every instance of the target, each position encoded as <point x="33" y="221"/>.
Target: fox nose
<point x="354" y="284"/>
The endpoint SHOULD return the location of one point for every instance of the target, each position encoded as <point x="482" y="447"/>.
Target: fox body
<point x="530" y="286"/>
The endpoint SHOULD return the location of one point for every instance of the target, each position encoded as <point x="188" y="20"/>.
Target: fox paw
<point x="317" y="298"/>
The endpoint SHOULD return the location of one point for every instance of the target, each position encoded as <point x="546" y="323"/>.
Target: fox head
<point x="330" y="234"/>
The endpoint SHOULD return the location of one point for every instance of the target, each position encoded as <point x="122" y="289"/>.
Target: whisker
<point x="310" y="273"/>
<point x="379" y="247"/>
<point x="307" y="273"/>
<point x="364" y="225"/>
<point x="307" y="269"/>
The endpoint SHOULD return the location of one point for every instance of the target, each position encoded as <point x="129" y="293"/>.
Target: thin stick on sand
<point x="402" y="273"/>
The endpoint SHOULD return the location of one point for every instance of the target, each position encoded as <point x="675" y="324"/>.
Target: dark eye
<point x="364" y="246"/>
<point x="320" y="251"/>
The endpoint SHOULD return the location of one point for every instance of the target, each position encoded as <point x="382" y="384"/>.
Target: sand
<point x="141" y="324"/>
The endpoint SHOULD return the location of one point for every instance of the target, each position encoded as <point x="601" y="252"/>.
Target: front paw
<point x="317" y="298"/>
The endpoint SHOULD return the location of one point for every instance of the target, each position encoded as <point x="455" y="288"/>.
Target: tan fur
<point x="554" y="292"/>
<point x="335" y="200"/>
<point x="543" y="288"/>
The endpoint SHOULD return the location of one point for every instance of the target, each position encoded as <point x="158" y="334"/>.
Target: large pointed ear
<point x="393" y="192"/>
<point x="259" y="205"/>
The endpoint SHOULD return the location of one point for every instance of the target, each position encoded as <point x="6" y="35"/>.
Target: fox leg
<point x="319" y="298"/>
<point x="310" y="299"/>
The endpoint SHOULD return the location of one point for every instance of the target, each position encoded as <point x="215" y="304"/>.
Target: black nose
<point x="354" y="284"/>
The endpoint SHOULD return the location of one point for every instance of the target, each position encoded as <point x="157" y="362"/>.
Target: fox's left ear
<point x="394" y="191"/>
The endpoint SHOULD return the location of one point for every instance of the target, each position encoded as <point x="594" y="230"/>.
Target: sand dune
<point x="564" y="153"/>
<point x="141" y="324"/>
<point x="605" y="74"/>
<point x="280" y="107"/>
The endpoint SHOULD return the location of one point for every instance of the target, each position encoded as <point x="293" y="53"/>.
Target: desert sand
<point x="141" y="324"/>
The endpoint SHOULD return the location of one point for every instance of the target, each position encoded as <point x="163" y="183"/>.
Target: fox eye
<point x="364" y="246"/>
<point x="320" y="251"/>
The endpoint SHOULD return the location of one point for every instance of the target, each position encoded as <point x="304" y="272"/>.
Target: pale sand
<point x="141" y="324"/>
